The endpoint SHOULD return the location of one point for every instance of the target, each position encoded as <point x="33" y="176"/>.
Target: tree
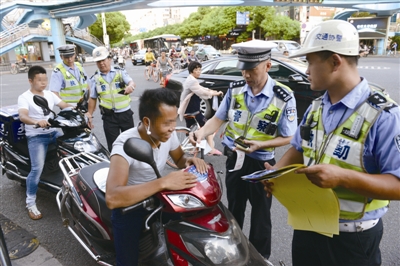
<point x="221" y="20"/>
<point x="116" y="24"/>
<point x="362" y="14"/>
<point x="281" y="28"/>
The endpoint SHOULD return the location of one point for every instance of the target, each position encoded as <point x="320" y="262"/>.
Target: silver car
<point x="207" y="52"/>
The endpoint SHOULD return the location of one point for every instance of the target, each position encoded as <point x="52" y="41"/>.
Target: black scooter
<point x="14" y="154"/>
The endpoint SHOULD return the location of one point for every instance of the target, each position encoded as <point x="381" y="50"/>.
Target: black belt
<point x="105" y="111"/>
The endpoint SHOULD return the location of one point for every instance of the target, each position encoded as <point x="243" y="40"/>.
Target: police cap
<point x="252" y="53"/>
<point x="100" y="53"/>
<point x="67" y="50"/>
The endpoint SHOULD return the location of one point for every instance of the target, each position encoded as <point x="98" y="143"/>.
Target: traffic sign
<point x="242" y="18"/>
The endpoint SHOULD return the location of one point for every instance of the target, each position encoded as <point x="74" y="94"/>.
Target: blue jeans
<point x="37" y="146"/>
<point x="127" y="229"/>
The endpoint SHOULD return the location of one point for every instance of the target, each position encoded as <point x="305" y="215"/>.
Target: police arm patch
<point x="291" y="114"/>
<point x="397" y="142"/>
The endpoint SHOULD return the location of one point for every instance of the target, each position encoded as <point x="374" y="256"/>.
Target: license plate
<point x="139" y="60"/>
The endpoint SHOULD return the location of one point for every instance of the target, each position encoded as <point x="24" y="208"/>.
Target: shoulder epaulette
<point x="282" y="93"/>
<point x="379" y="100"/>
<point x="238" y="83"/>
<point x="392" y="105"/>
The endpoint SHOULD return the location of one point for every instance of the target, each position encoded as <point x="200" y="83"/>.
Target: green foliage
<point x="116" y="24"/>
<point x="221" y="20"/>
<point x="281" y="28"/>
<point x="362" y="15"/>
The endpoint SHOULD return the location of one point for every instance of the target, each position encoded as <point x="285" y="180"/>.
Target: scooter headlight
<point x="186" y="201"/>
<point x="79" y="146"/>
<point x="229" y="248"/>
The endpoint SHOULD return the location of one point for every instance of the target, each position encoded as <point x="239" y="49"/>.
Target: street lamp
<point x="106" y="38"/>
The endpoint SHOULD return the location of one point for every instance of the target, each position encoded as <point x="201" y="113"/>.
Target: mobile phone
<point x="239" y="142"/>
<point x="121" y="91"/>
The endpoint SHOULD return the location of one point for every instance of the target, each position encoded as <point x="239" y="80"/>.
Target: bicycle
<point x="153" y="73"/>
<point x="183" y="136"/>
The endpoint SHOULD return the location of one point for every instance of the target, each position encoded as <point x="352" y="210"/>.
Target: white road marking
<point x="372" y="67"/>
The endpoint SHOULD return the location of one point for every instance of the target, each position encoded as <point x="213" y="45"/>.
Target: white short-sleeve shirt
<point x="25" y="101"/>
<point x="140" y="172"/>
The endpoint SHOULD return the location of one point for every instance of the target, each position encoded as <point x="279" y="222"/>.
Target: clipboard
<point x="261" y="175"/>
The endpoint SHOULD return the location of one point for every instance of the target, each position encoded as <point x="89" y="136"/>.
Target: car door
<point x="218" y="76"/>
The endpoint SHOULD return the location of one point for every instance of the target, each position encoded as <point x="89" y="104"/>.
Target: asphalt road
<point x="57" y="239"/>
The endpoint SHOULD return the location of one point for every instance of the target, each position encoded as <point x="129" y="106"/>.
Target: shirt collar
<point x="265" y="91"/>
<point x="111" y="70"/>
<point x="352" y="99"/>
<point x="68" y="67"/>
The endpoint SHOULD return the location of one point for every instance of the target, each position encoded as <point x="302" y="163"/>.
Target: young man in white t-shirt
<point x="130" y="181"/>
<point x="38" y="136"/>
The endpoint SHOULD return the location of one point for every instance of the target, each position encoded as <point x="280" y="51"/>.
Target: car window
<point x="206" y="69"/>
<point x="279" y="71"/>
<point x="227" y="68"/>
<point x="293" y="46"/>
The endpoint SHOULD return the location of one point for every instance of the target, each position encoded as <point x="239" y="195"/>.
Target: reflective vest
<point x="344" y="147"/>
<point x="74" y="88"/>
<point x="261" y="126"/>
<point x="108" y="93"/>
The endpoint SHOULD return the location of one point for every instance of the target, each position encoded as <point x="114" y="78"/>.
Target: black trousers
<point x="346" y="249"/>
<point x="239" y="191"/>
<point x="115" y="123"/>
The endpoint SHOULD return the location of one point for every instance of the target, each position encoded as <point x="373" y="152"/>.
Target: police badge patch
<point x="397" y="142"/>
<point x="291" y="114"/>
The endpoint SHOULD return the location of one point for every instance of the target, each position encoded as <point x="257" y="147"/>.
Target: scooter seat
<point x="93" y="195"/>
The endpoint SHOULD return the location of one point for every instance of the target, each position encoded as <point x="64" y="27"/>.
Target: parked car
<point x="207" y="52"/>
<point x="138" y="57"/>
<point x="219" y="73"/>
<point x="290" y="46"/>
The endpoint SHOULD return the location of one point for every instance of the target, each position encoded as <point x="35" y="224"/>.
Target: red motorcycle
<point x="206" y="233"/>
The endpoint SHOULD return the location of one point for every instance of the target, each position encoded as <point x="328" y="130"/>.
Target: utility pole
<point x="106" y="39"/>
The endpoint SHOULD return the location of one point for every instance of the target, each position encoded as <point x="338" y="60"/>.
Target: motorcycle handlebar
<point x="143" y="204"/>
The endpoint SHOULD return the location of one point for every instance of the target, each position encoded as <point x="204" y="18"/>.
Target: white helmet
<point x="100" y="53"/>
<point x="337" y="36"/>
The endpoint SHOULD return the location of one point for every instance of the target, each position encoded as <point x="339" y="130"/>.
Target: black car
<point x="219" y="73"/>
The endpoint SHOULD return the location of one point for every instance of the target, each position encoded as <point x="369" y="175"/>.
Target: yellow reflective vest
<point x="344" y="147"/>
<point x="74" y="88"/>
<point x="108" y="93"/>
<point x="261" y="126"/>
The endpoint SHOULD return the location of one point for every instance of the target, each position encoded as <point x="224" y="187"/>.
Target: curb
<point x="40" y="257"/>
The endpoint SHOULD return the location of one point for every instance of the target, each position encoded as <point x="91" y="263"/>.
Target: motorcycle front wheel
<point x="14" y="70"/>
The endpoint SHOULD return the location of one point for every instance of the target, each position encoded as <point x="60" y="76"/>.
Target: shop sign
<point x="370" y="27"/>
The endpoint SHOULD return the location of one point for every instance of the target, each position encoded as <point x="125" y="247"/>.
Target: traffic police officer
<point x="112" y="86"/>
<point x="261" y="115"/>
<point x="68" y="80"/>
<point x="350" y="141"/>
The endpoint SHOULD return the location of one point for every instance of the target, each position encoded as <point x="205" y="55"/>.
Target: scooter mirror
<point x="141" y="150"/>
<point x="83" y="102"/>
<point x="42" y="102"/>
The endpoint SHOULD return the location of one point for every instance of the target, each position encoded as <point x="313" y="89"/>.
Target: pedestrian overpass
<point x="26" y="26"/>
